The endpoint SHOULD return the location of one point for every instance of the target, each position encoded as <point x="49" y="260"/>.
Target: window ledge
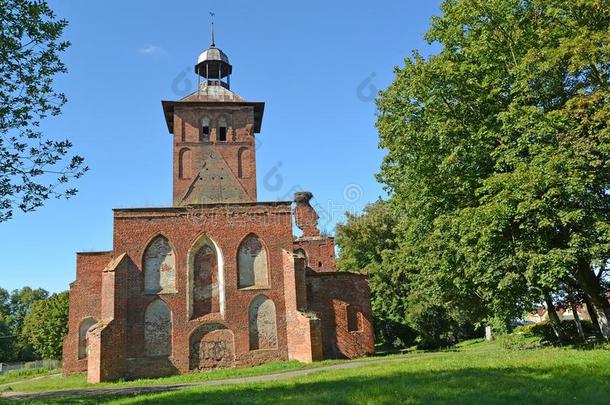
<point x="254" y="287"/>
<point x="269" y="349"/>
<point x="162" y="292"/>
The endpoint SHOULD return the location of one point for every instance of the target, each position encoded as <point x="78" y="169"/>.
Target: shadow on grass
<point x="463" y="386"/>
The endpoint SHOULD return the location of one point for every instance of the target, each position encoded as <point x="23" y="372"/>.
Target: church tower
<point x="213" y="129"/>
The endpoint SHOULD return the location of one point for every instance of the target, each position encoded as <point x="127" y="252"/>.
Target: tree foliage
<point x="363" y="238"/>
<point x="497" y="157"/>
<point x="46" y="325"/>
<point x="14" y="307"/>
<point x="33" y="167"/>
<point x="6" y="342"/>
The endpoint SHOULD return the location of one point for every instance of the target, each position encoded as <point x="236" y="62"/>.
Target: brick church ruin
<point x="217" y="279"/>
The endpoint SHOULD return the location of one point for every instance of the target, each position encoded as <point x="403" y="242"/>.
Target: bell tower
<point x="214" y="130"/>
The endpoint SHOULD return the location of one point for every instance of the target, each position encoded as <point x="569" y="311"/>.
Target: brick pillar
<point x="107" y="338"/>
<point x="303" y="331"/>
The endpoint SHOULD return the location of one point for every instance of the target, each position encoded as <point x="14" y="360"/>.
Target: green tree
<point x="7" y="351"/>
<point x="4" y="302"/>
<point x="364" y="241"/>
<point x="33" y="167"/>
<point x="20" y="304"/>
<point x="13" y="309"/>
<point x="498" y="150"/>
<point x="363" y="238"/>
<point x="46" y="325"/>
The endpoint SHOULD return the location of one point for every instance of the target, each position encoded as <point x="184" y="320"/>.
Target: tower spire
<point x="212" y="15"/>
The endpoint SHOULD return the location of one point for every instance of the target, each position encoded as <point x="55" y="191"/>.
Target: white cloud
<point x="152" y="50"/>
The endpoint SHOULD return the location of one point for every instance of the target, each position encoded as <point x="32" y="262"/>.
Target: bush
<point x="524" y="329"/>
<point x="545" y="331"/>
<point x="435" y="327"/>
<point x="396" y="334"/>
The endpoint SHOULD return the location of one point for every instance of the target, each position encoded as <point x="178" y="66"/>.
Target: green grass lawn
<point x="473" y="374"/>
<point x="74" y="381"/>
<point x="19" y="375"/>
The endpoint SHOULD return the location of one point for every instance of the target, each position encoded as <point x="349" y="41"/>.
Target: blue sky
<point x="315" y="64"/>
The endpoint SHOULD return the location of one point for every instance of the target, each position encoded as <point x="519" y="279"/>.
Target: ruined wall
<point x="234" y="294"/>
<point x="85" y="303"/>
<point x="206" y="242"/>
<point x="319" y="253"/>
<point x="304" y="327"/>
<point x="342" y="302"/>
<point x="107" y="339"/>
<point x="305" y="216"/>
<point x="207" y="169"/>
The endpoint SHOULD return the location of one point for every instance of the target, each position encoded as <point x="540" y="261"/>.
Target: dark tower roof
<point x="213" y="64"/>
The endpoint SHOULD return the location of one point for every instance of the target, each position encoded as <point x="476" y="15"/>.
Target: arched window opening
<point x="204" y="135"/>
<point x="157" y="329"/>
<point x="262" y="323"/>
<point x="300" y="252"/>
<point x="184" y="164"/>
<point x="222" y="130"/>
<point x="83" y="343"/>
<point x="205" y="279"/>
<point x="243" y="158"/>
<point x="159" y="267"/>
<point x="252" y="263"/>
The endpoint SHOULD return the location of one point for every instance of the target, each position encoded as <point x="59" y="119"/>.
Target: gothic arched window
<point x="262" y="322"/>
<point x="158" y="329"/>
<point x="252" y="263"/>
<point x="83" y="328"/>
<point x="243" y="158"/>
<point x="184" y="163"/>
<point x="205" y="279"/>
<point x="159" y="267"/>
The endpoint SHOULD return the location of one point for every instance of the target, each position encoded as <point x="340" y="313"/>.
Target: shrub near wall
<point x="545" y="332"/>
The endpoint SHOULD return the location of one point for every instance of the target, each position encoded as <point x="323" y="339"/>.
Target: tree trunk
<point x="554" y="318"/>
<point x="591" y="286"/>
<point x="593" y="314"/>
<point x="581" y="332"/>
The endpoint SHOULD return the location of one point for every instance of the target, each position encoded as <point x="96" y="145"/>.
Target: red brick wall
<point x="320" y="253"/>
<point x="240" y="135"/>
<point x="312" y="309"/>
<point x="329" y="296"/>
<point x="85" y="301"/>
<point x="303" y="329"/>
<point x="226" y="225"/>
